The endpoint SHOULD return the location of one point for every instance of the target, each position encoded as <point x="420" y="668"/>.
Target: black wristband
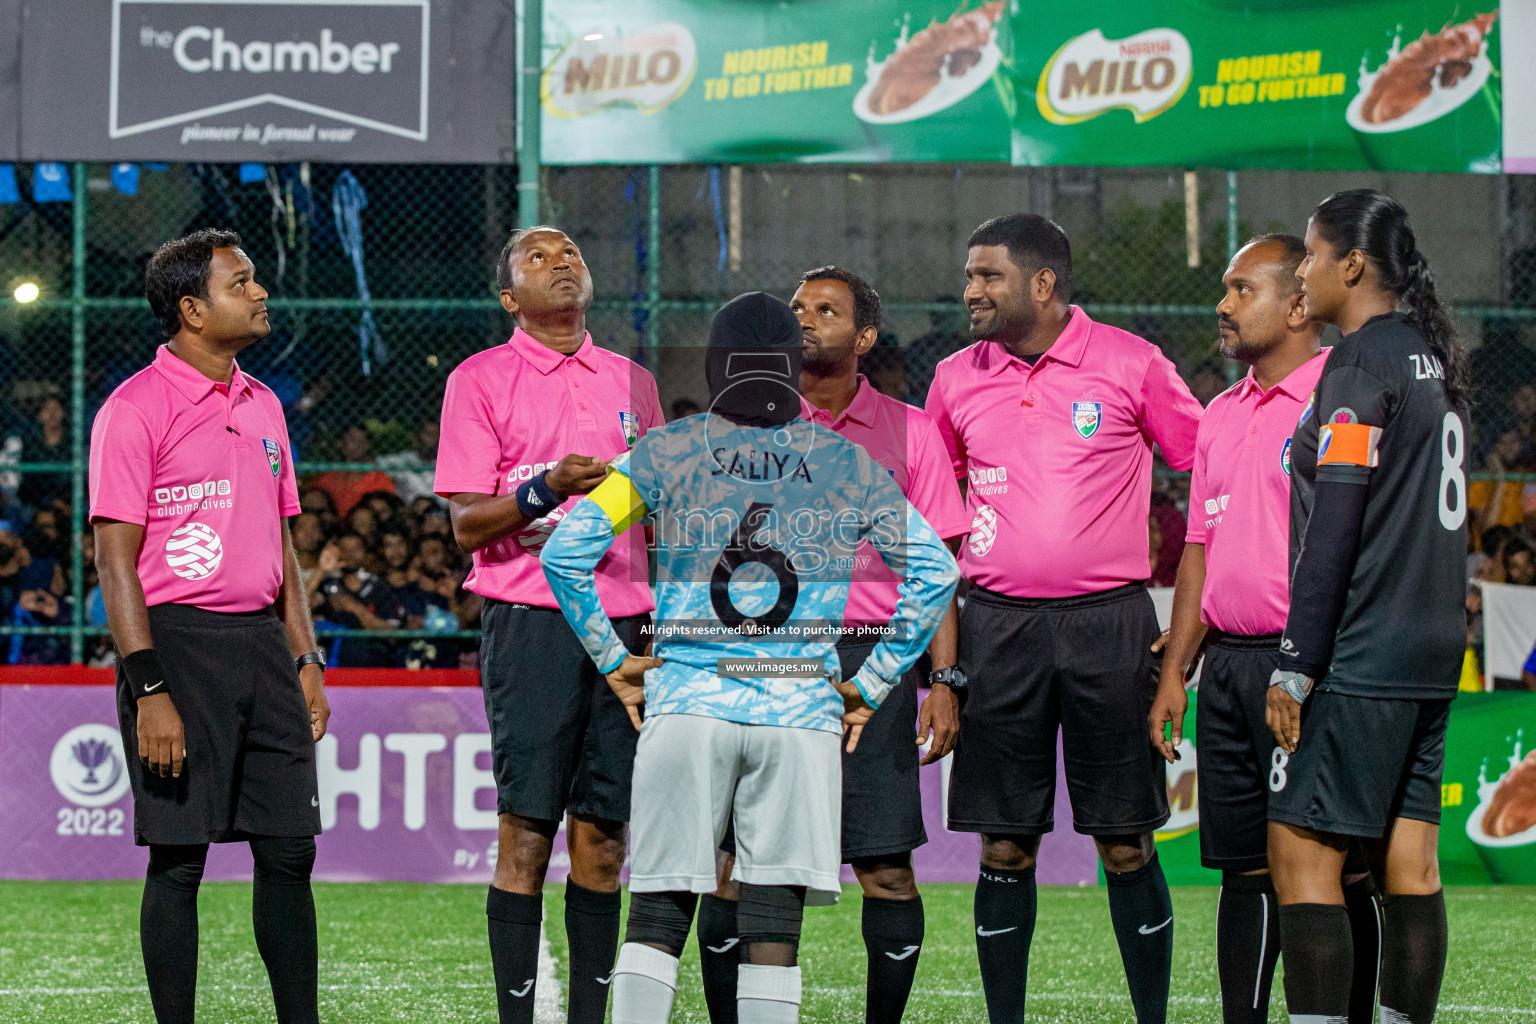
<point x="536" y="498"/>
<point x="145" y="679"/>
<point x="312" y="658"/>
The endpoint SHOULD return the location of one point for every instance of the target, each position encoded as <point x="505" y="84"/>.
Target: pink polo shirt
<point x="1240" y="500"/>
<point x="1058" y="456"/>
<point x="904" y="441"/>
<point x="206" y="469"/>
<point x="516" y="410"/>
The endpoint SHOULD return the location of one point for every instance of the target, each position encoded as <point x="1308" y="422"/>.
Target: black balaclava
<point x="753" y="361"/>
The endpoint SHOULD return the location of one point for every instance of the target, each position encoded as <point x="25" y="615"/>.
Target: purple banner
<point x="406" y="794"/>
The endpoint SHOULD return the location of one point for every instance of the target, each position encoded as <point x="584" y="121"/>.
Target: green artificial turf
<point x="396" y="952"/>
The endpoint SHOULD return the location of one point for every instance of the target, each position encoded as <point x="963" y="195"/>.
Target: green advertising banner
<point x="1487" y="796"/>
<point x="1411" y="85"/>
<point x="1313" y="84"/>
<point x="691" y="81"/>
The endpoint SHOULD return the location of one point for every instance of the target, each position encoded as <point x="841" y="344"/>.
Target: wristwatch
<point x="312" y="658"/>
<point x="952" y="677"/>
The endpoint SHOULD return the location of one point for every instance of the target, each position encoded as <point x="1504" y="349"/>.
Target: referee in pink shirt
<point x="882" y="821"/>
<point x="528" y="427"/>
<point x="220" y="690"/>
<point x="1050" y="418"/>
<point x="1231" y="602"/>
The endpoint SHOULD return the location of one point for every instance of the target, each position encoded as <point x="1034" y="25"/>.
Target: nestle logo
<point x="361" y="62"/>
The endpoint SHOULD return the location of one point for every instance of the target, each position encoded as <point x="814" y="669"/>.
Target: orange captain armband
<point x="1348" y="444"/>
<point x="619" y="500"/>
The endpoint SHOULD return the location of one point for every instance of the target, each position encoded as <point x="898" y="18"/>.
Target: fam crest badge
<point x="1086" y="417"/>
<point x="273" y="457"/>
<point x="630" y="424"/>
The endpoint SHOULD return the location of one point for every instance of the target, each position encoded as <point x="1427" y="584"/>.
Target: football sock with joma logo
<point x="513" y="919"/>
<point x="1412" y="957"/>
<point x="1142" y="913"/>
<point x="592" y="932"/>
<point x="1247" y="946"/>
<point x="1005" y="923"/>
<point x="893" y="938"/>
<point x="719" y="956"/>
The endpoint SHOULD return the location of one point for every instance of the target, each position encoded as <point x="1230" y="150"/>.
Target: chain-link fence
<point x="362" y="381"/>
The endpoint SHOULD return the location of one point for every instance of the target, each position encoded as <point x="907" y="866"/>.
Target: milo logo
<point x="1145" y="73"/>
<point x="647" y="69"/>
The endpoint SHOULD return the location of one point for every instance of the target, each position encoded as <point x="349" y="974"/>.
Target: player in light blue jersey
<point x="757" y="517"/>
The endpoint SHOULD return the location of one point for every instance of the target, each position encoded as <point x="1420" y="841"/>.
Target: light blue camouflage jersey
<point x="756" y="529"/>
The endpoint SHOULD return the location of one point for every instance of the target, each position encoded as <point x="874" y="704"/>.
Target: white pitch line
<point x="548" y="998"/>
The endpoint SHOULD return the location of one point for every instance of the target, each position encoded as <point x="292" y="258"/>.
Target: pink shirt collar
<point x="545" y="359"/>
<point x="189" y="380"/>
<point x="993" y="356"/>
<point x="864" y="408"/>
<point x="1291" y="384"/>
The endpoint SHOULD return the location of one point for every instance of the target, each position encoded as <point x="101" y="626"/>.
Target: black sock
<point x="168" y="929"/>
<point x="1412" y="956"/>
<point x="1005" y="924"/>
<point x="719" y="956"/>
<point x="283" y="913"/>
<point x="1319" y="960"/>
<point x="1247" y="946"/>
<point x="1364" y="908"/>
<point x="514" y="920"/>
<point x="893" y="937"/>
<point x="592" y="933"/>
<point x="1142" y="913"/>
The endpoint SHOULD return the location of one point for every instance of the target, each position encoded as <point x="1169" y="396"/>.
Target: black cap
<point x="753" y="362"/>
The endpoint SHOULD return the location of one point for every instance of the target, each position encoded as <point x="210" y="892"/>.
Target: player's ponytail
<point x="1377" y="225"/>
<point x="1417" y="289"/>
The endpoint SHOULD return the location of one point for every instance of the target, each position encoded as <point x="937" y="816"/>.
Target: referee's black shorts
<point x="250" y="765"/>
<point x="561" y="742"/>
<point x="882" y="801"/>
<point x="1080" y="664"/>
<point x="1234" y="748"/>
<point x="882" y="805"/>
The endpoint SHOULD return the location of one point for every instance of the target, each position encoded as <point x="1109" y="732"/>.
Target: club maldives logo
<point x="194" y="551"/>
<point x="87" y="765"/>
<point x="1145" y="73"/>
<point x="532" y="537"/>
<point x="191" y="62"/>
<point x="983" y="530"/>
<point x="602" y="68"/>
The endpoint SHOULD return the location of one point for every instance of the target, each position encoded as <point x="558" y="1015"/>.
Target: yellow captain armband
<point x="617" y="497"/>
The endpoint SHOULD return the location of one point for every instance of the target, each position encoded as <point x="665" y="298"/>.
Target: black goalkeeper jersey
<point x="1380" y="416"/>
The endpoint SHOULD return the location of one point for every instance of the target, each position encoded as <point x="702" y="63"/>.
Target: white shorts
<point x="784" y="787"/>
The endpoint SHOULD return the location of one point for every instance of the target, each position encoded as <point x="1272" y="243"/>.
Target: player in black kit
<point x="1374" y="640"/>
